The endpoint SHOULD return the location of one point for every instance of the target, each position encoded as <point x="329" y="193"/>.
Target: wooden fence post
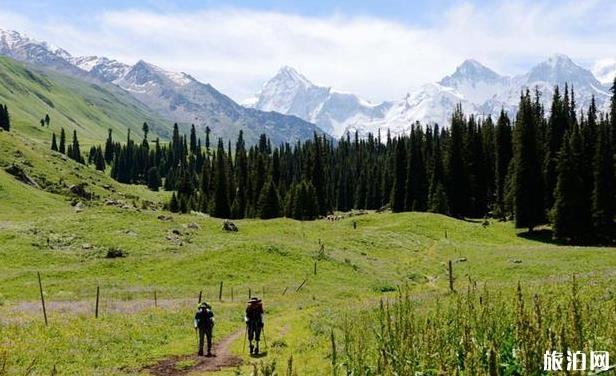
<point x="42" y="297"/>
<point x="155" y="299"/>
<point x="300" y="286"/>
<point x="220" y="292"/>
<point x="285" y="290"/>
<point x="315" y="268"/>
<point x="200" y="295"/>
<point x="231" y="293"/>
<point x="97" y="299"/>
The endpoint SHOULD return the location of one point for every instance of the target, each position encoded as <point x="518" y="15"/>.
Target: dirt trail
<point x="193" y="363"/>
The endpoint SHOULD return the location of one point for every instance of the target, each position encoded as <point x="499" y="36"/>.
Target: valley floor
<point x="147" y="297"/>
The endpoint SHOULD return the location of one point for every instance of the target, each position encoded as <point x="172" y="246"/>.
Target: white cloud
<point x="237" y="49"/>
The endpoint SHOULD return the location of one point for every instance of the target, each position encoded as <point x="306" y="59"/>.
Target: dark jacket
<point x="254" y="312"/>
<point x="204" y="318"/>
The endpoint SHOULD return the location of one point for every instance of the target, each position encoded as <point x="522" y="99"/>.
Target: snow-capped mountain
<point x="605" y="71"/>
<point x="102" y="68"/>
<point x="478" y="89"/>
<point x="289" y="92"/>
<point x="23" y="48"/>
<point x="177" y="96"/>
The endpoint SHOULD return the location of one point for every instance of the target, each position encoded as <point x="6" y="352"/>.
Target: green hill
<point x="89" y="108"/>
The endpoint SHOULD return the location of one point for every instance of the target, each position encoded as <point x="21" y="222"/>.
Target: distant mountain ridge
<point x="476" y="87"/>
<point x="177" y="96"/>
<point x="289" y="106"/>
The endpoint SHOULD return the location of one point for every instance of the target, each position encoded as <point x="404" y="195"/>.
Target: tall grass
<point x="479" y="332"/>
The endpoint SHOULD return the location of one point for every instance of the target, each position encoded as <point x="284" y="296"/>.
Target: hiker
<point x="204" y="323"/>
<point x="254" y="323"/>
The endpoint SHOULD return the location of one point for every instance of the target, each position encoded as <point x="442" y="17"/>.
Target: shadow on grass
<point x="545" y="235"/>
<point x="259" y="355"/>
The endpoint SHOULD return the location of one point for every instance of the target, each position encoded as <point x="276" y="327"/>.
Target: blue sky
<point x="378" y="49"/>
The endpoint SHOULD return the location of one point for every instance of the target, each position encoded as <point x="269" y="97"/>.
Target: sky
<point x="379" y="50"/>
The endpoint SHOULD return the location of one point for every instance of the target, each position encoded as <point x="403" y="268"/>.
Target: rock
<point x="111" y="202"/>
<point x="83" y="246"/>
<point x="79" y="207"/>
<point x="516" y="261"/>
<point x="461" y="259"/>
<point x="115" y="253"/>
<point x="227" y="225"/>
<point x="130" y="232"/>
<point x="192" y="226"/>
<point x="176" y="232"/>
<point x="126" y="207"/>
<point x="163" y="217"/>
<point x="80" y="190"/>
<point x="21" y="175"/>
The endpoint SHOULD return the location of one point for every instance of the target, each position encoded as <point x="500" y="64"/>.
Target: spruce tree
<point x="109" y="148"/>
<point x="269" y="202"/>
<point x="62" y="146"/>
<point x="503" y="152"/>
<point x="75" y="151"/>
<point x="5" y="119"/>
<point x="528" y="179"/>
<point x="54" y="144"/>
<point x="220" y="207"/>
<point x="457" y="184"/>
<point x="154" y="181"/>
<point x="174" y="206"/>
<point x="398" y="190"/>
<point x="571" y="212"/>
<point x="603" y="203"/>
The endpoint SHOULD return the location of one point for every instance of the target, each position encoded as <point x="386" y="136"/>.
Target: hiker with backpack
<point x="204" y="324"/>
<point x="254" y="323"/>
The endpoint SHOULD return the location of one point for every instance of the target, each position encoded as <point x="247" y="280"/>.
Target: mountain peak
<point x="471" y="69"/>
<point x="288" y="73"/>
<point x="559" y="69"/>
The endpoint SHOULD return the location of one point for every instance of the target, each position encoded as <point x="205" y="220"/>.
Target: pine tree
<point x="398" y="190"/>
<point x="5" y="119"/>
<point x="75" y="152"/>
<point x="503" y="152"/>
<point x="457" y="185"/>
<point x="99" y="161"/>
<point x="528" y="179"/>
<point x="220" y="207"/>
<point x="109" y="148"/>
<point x="47" y="119"/>
<point x="54" y="145"/>
<point x="154" y="181"/>
<point x="174" y="206"/>
<point x="603" y="203"/>
<point x="62" y="147"/>
<point x="193" y="139"/>
<point x="571" y="212"/>
<point x="269" y="202"/>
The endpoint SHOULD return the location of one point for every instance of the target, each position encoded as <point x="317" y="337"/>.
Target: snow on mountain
<point x="289" y="92"/>
<point x="605" y="71"/>
<point x="177" y="96"/>
<point x="22" y="48"/>
<point x="479" y="90"/>
<point x="476" y="82"/>
<point x="101" y="67"/>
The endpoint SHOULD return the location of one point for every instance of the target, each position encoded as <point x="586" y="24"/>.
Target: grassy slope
<point x="71" y="103"/>
<point x="267" y="256"/>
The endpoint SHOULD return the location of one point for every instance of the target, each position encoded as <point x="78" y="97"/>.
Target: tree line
<point x="555" y="168"/>
<point x="5" y="119"/>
